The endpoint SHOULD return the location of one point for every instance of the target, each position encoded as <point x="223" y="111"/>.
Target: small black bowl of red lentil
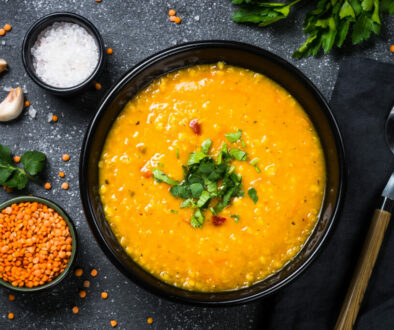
<point x="38" y="244"/>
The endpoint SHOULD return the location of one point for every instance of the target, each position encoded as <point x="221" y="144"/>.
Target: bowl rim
<point x="70" y="224"/>
<point x="138" y="68"/>
<point x="51" y="19"/>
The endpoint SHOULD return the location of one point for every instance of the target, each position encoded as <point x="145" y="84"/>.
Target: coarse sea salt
<point x="64" y="55"/>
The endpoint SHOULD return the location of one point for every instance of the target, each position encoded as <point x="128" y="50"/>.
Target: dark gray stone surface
<point x="134" y="29"/>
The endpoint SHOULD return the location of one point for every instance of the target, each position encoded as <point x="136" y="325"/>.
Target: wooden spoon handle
<point x="363" y="270"/>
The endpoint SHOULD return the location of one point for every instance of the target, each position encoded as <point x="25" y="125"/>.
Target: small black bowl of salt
<point x="63" y="53"/>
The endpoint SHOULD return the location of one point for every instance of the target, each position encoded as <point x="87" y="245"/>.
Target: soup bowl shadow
<point x="208" y="52"/>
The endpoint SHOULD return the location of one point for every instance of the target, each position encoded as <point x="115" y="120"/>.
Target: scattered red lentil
<point x="11" y="297"/>
<point x="7" y="27"/>
<point x="61" y="174"/>
<point x="65" y="185"/>
<point x="94" y="272"/>
<point x="47" y="185"/>
<point x="104" y="295"/>
<point x="17" y="159"/>
<point x="109" y="51"/>
<point x="75" y="309"/>
<point x="149" y="320"/>
<point x="2" y="32"/>
<point x="98" y="0"/>
<point x="78" y="272"/>
<point x="114" y="323"/>
<point x="27" y="103"/>
<point x="172" y="18"/>
<point x="55" y="118"/>
<point x="97" y="86"/>
<point x="82" y="293"/>
<point x="66" y="157"/>
<point x="392" y="48"/>
<point x="171" y="12"/>
<point x="177" y="20"/>
<point x="36" y="244"/>
<point x="86" y="284"/>
<point x="8" y="189"/>
<point x="11" y="316"/>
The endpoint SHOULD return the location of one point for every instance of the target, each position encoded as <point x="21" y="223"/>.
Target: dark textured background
<point x="135" y="30"/>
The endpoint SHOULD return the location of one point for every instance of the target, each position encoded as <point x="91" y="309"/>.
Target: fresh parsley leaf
<point x="33" y="162"/>
<point x="206" y="145"/>
<point x="238" y="154"/>
<point x="197" y="219"/>
<point x="196" y="157"/>
<point x="234" y="137"/>
<point x="161" y="177"/>
<point x="262" y="13"/>
<point x="253" y="194"/>
<point x="12" y="176"/>
<point x="326" y="26"/>
<point x="5" y="155"/>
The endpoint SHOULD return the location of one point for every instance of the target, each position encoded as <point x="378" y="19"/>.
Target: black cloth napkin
<point x="362" y="98"/>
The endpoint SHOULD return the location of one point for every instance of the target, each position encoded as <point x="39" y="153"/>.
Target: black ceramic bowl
<point x="203" y="52"/>
<point x="66" y="273"/>
<point x="32" y="35"/>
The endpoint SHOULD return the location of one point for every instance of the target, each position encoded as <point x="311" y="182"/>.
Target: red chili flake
<point x="218" y="221"/>
<point x="146" y="173"/>
<point x="195" y="126"/>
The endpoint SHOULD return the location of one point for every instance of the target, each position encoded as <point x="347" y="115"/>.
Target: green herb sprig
<point x="12" y="176"/>
<point x="208" y="181"/>
<point x="327" y="26"/>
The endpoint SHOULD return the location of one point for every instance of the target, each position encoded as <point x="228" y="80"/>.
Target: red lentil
<point x="36" y="244"/>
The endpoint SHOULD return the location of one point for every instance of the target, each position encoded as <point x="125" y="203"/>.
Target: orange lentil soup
<point x="154" y="131"/>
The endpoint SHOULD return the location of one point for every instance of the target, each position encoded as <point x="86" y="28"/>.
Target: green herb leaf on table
<point x="12" y="176"/>
<point x="253" y="194"/>
<point x="327" y="26"/>
<point x="261" y="13"/>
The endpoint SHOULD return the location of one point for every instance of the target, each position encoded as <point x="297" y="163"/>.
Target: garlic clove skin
<point x="3" y="65"/>
<point x="12" y="105"/>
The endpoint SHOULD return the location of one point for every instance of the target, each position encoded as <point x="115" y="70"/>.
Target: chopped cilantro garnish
<point x="161" y="177"/>
<point x="206" y="145"/>
<point x="254" y="163"/>
<point x="234" y="137"/>
<point x="238" y="154"/>
<point x="173" y="211"/>
<point x="196" y="157"/>
<point x="209" y="183"/>
<point x="235" y="217"/>
<point x="253" y="194"/>
<point x="197" y="219"/>
<point x="177" y="153"/>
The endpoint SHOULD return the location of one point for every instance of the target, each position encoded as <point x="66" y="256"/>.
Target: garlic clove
<point x="3" y="65"/>
<point x="12" y="105"/>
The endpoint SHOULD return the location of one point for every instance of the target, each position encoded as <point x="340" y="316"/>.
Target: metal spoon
<point x="372" y="244"/>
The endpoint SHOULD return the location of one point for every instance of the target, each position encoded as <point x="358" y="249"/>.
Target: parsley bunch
<point x="207" y="179"/>
<point x="328" y="25"/>
<point x="12" y="176"/>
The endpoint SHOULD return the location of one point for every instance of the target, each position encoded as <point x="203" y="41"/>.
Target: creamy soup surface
<point x="256" y="239"/>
